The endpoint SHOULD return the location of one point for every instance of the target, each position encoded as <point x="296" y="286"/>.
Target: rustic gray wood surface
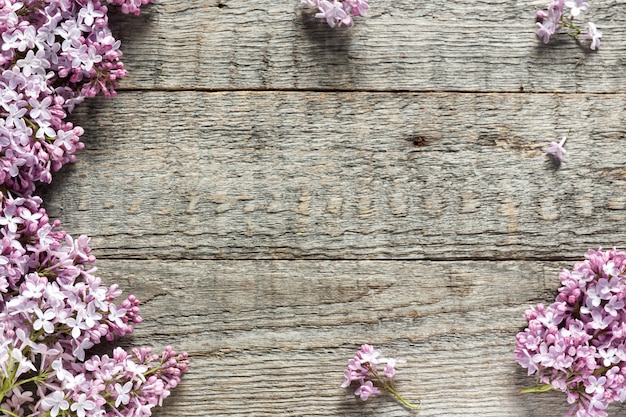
<point x="278" y="192"/>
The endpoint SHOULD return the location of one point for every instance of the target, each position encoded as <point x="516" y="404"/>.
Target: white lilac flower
<point x="55" y="403"/>
<point x="576" y="6"/>
<point x="593" y="35"/>
<point x="82" y="405"/>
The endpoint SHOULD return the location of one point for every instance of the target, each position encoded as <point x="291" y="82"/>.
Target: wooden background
<point x="277" y="193"/>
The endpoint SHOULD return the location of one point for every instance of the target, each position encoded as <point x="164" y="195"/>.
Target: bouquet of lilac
<point x="363" y="368"/>
<point x="578" y="343"/>
<point x="338" y="13"/>
<point x="53" y="309"/>
<point x="551" y="20"/>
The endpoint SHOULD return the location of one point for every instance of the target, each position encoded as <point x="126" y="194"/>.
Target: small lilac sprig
<point x="578" y="343"/>
<point x="556" y="150"/>
<point x="338" y="12"/>
<point x="555" y="17"/>
<point x="363" y="368"/>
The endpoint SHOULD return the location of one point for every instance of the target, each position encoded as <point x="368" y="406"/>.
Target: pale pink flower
<point x="366" y="389"/>
<point x="334" y="13"/>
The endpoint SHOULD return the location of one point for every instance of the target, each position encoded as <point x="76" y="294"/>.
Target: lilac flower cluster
<point x="555" y="17"/>
<point x="54" y="54"/>
<point x="338" y="13"/>
<point x="53" y="309"/>
<point x="578" y="343"/>
<point x="363" y="368"/>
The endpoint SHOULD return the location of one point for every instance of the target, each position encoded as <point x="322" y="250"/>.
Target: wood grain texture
<point x="441" y="45"/>
<point x="271" y="338"/>
<point x="285" y="175"/>
<point x="278" y="193"/>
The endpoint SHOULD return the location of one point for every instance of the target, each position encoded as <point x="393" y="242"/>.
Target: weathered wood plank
<point x="440" y="45"/>
<point x="354" y="175"/>
<point x="452" y="378"/>
<point x="229" y="306"/>
<point x="223" y="178"/>
<point x="271" y="338"/>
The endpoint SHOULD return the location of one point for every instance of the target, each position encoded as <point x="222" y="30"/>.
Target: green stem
<point x="8" y="412"/>
<point x="34" y="379"/>
<point x="389" y="387"/>
<point x="152" y="371"/>
<point x="9" y="382"/>
<point x="399" y="397"/>
<point x="537" y="388"/>
<point x="568" y="24"/>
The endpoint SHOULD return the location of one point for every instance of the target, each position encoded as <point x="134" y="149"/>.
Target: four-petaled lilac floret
<point x="593" y="35"/>
<point x="334" y="13"/>
<point x="365" y="390"/>
<point x="576" y="6"/>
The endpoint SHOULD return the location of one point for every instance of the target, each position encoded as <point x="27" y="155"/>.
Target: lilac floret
<point x="556" y="150"/>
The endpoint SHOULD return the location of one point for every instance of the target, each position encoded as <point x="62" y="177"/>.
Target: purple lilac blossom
<point x="338" y="12"/>
<point x="556" y="150"/>
<point x="53" y="309"/>
<point x="560" y="14"/>
<point x="578" y="343"/>
<point x="363" y="369"/>
<point x="55" y="53"/>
